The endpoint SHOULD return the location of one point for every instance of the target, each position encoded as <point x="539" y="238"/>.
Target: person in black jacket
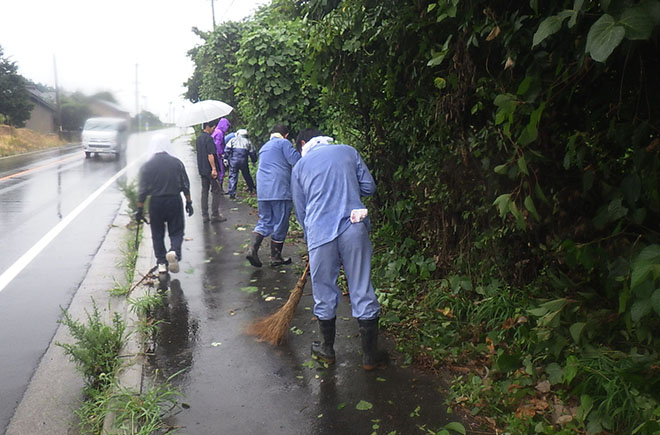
<point x="164" y="178"/>
<point x="208" y="167"/>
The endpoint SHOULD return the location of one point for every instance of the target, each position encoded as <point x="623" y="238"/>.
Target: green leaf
<point x="571" y="369"/>
<point x="363" y="405"/>
<point x="250" y="289"/>
<point x="603" y="37"/>
<point x="456" y="427"/>
<point x="655" y="301"/>
<point x="555" y="373"/>
<point x="522" y="165"/>
<point x="577" y="8"/>
<point x="501" y="169"/>
<point x="616" y="210"/>
<point x="538" y="312"/>
<point x="503" y="203"/>
<point x="639" y="274"/>
<point x="586" y="405"/>
<point x="529" y="205"/>
<point x="576" y="330"/>
<point x="508" y="362"/>
<point x="649" y="255"/>
<point x="549" y="26"/>
<point x="637" y="22"/>
<point x="639" y="309"/>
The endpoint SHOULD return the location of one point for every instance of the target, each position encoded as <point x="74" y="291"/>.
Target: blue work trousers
<point x="274" y="219"/>
<point x="166" y="210"/>
<point x="352" y="249"/>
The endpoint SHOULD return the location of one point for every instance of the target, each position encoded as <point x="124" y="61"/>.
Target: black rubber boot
<point x="325" y="350"/>
<point x="276" y="254"/>
<point x="253" y="255"/>
<point x="372" y="356"/>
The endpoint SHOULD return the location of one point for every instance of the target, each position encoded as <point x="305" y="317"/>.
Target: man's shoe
<point x="172" y="262"/>
<point x="232" y="196"/>
<point x="219" y="218"/>
<point x="205" y="219"/>
<point x="162" y="268"/>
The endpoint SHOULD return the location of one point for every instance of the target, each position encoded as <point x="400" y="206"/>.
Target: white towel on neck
<point x="318" y="140"/>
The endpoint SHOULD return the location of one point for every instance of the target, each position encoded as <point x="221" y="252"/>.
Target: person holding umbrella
<point x="276" y="159"/>
<point x="207" y="166"/>
<point x="327" y="183"/>
<point x="207" y="113"/>
<point x="164" y="178"/>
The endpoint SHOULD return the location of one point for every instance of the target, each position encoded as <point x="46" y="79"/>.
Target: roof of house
<point x="40" y="98"/>
<point x="113" y="106"/>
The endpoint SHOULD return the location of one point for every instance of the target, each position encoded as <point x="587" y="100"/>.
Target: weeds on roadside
<point x="135" y="414"/>
<point x="127" y="264"/>
<point x="143" y="414"/>
<point x="145" y="308"/>
<point x="130" y="191"/>
<point x="96" y="348"/>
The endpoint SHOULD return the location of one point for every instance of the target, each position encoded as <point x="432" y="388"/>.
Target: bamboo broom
<point x="273" y="329"/>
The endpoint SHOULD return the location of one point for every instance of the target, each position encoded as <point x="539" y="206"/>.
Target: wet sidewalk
<point x="232" y="384"/>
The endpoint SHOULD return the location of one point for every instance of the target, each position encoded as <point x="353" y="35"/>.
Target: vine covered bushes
<point x="515" y="147"/>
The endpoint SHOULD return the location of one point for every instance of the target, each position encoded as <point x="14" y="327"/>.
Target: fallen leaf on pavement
<point x="363" y="405"/>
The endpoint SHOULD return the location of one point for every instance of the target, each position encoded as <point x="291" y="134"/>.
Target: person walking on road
<point x="163" y="177"/>
<point x="276" y="159"/>
<point x="327" y="183"/>
<point x="207" y="166"/>
<point x="218" y="136"/>
<point x="238" y="150"/>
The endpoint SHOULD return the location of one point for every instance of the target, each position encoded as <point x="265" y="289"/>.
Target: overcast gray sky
<point x="96" y="45"/>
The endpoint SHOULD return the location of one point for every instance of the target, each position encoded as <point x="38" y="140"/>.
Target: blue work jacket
<point x="327" y="184"/>
<point x="276" y="159"/>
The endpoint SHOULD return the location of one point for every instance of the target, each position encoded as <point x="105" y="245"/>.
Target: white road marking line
<point x="20" y="264"/>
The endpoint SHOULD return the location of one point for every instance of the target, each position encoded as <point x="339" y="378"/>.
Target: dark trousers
<point x="239" y="165"/>
<point x="213" y="185"/>
<point x="166" y="210"/>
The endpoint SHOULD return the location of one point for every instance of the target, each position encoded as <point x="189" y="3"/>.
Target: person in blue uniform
<point x="327" y="184"/>
<point x="164" y="178"/>
<point x="276" y="159"/>
<point x="238" y="149"/>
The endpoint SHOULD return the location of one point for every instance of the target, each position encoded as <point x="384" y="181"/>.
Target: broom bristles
<point x="273" y="329"/>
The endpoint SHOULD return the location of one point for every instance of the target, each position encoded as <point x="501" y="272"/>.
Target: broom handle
<point x="305" y="273"/>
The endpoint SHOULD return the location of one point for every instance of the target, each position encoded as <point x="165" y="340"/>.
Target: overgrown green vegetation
<point x="96" y="348"/>
<point x="515" y="148"/>
<point x="96" y="352"/>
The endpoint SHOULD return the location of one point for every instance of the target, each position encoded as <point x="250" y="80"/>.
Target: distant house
<point x="43" y="117"/>
<point x="108" y="109"/>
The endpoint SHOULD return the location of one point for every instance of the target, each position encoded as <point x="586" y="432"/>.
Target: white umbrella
<point x="203" y="111"/>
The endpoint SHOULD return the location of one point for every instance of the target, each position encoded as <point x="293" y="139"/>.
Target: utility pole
<point x="213" y="12"/>
<point x="57" y="101"/>
<point x="137" y="100"/>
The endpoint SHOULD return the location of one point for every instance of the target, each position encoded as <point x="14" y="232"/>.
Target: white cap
<point x="242" y="132"/>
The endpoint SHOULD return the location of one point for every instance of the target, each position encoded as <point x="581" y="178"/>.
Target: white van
<point x="105" y="135"/>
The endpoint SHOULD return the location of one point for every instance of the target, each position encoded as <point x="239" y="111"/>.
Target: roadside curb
<point x="132" y="354"/>
<point x="55" y="389"/>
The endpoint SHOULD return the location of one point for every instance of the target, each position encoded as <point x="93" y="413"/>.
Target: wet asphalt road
<point x="37" y="193"/>
<point x="232" y="384"/>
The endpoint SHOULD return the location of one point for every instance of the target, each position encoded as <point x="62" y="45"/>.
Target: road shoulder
<point x="55" y="390"/>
